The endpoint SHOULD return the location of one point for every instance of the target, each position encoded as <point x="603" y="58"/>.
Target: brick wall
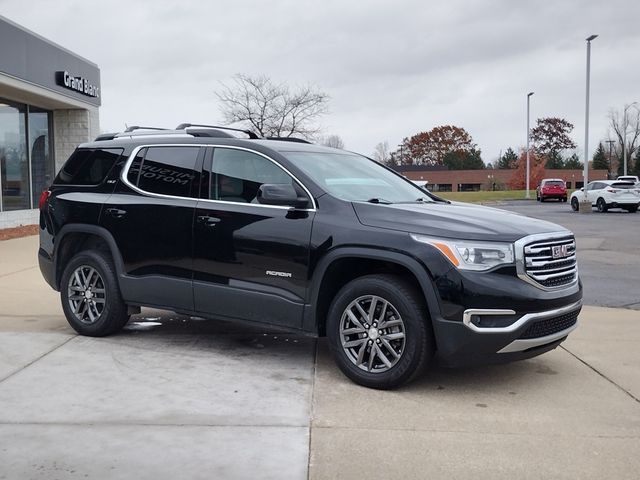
<point x="486" y="178"/>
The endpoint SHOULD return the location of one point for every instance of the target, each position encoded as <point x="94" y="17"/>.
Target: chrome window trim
<point x="520" y="260"/>
<point x="132" y="156"/>
<point x="466" y="318"/>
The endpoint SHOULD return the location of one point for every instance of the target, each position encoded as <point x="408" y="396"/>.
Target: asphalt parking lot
<point x="180" y="397"/>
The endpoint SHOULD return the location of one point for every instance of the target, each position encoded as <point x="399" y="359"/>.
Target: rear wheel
<point x="574" y="204"/>
<point x="90" y="295"/>
<point x="601" y="205"/>
<point x="632" y="209"/>
<point x="378" y="331"/>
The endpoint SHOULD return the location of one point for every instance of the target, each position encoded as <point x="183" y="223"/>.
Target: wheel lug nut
<point x="370" y="342"/>
<point x="375" y="324"/>
<point x="366" y="325"/>
<point x="380" y="332"/>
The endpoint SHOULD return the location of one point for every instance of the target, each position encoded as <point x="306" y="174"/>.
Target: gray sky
<point x="392" y="68"/>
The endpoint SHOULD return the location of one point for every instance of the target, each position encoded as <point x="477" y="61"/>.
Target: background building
<point x="49" y="99"/>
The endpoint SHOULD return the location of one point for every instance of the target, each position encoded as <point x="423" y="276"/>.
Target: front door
<point x="251" y="261"/>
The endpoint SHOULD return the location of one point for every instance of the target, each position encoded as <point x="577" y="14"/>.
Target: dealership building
<point x="49" y="101"/>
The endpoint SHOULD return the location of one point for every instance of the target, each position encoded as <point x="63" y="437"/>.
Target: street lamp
<point x="401" y="147"/>
<point x="624" y="137"/>
<point x="528" y="97"/>
<point x="586" y="114"/>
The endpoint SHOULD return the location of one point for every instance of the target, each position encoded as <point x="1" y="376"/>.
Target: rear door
<point x="150" y="215"/>
<point x="251" y="261"/>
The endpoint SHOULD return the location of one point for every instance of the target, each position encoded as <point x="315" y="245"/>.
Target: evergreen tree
<point x="600" y="159"/>
<point x="573" y="162"/>
<point x="508" y="160"/>
<point x="636" y="164"/>
<point x="555" y="161"/>
<point x="460" y="160"/>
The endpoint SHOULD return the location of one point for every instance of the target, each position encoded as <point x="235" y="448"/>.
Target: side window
<point x="236" y="175"/>
<point x="88" y="166"/>
<point x="165" y="170"/>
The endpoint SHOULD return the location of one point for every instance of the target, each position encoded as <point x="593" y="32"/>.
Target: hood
<point x="453" y="220"/>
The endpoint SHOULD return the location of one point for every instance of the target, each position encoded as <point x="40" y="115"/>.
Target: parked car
<point x="606" y="194"/>
<point x="551" y="188"/>
<point x="305" y="238"/>
<point x="629" y="178"/>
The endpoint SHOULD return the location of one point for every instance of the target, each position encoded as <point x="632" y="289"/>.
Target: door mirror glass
<point x="280" y="194"/>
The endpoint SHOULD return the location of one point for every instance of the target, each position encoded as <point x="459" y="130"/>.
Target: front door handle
<point x="208" y="221"/>
<point x="116" y="212"/>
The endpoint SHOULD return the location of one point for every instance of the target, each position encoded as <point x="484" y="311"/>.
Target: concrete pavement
<point x="179" y="397"/>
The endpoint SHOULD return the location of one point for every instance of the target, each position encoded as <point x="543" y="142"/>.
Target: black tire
<point x="537" y="197"/>
<point x="632" y="209"/>
<point x="418" y="346"/>
<point x="541" y="199"/>
<point x="601" y="205"/>
<point x="574" y="204"/>
<point x="564" y="199"/>
<point x="88" y="318"/>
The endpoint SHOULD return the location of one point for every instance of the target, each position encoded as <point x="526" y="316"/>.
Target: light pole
<point x="586" y="115"/>
<point x="624" y="137"/>
<point x="401" y="147"/>
<point x="528" y="98"/>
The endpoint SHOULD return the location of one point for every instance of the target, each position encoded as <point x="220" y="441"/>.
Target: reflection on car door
<point x="251" y="261"/>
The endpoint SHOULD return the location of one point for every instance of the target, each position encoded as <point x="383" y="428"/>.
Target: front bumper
<point x="496" y="336"/>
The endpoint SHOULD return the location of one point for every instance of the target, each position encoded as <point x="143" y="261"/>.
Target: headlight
<point x="469" y="255"/>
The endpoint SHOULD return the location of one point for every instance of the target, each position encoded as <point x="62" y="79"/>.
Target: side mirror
<point x="582" y="189"/>
<point x="281" y="195"/>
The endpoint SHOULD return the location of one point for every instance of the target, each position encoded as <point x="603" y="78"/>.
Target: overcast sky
<point x="392" y="68"/>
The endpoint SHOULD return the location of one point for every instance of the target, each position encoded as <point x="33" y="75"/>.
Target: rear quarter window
<point x="88" y="166"/>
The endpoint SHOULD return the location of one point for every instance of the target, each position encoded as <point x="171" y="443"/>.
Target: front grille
<point x="552" y="325"/>
<point x="543" y="268"/>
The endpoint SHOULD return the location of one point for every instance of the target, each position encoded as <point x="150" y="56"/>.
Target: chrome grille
<point x="541" y="266"/>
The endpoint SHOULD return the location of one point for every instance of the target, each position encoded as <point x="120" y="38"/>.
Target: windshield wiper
<point x="379" y="200"/>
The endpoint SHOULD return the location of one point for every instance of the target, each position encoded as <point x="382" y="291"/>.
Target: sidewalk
<point x="179" y="397"/>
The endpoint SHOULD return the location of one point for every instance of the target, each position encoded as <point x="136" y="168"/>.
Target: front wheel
<point x="90" y="295"/>
<point x="379" y="331"/>
<point x="601" y="205"/>
<point x="574" y="204"/>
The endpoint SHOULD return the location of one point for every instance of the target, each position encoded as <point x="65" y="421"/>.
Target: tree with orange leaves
<point x="536" y="171"/>
<point x="430" y="148"/>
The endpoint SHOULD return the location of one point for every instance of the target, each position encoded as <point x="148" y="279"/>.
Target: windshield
<point x="554" y="183"/>
<point x="355" y="178"/>
<point x="623" y="185"/>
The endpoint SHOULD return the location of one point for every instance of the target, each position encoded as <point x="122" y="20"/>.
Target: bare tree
<point x="334" y="141"/>
<point x="381" y="153"/>
<point x="628" y="119"/>
<point x="270" y="109"/>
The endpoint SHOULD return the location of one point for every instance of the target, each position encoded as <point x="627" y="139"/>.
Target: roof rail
<point x="184" y="126"/>
<point x="138" y="127"/>
<point x="288" y="139"/>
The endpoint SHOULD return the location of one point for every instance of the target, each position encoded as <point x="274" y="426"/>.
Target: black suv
<point x="306" y="238"/>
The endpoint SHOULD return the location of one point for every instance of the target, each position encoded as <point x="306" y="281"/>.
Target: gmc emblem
<point x="560" y="251"/>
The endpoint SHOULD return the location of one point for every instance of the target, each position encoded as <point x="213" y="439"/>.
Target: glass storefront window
<point x="42" y="165"/>
<point x="20" y="187"/>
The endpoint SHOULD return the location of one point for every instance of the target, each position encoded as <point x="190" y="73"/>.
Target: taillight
<point x="611" y="190"/>
<point x="44" y="196"/>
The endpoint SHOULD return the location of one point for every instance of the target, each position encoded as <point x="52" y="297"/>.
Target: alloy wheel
<point x="86" y="294"/>
<point x="372" y="334"/>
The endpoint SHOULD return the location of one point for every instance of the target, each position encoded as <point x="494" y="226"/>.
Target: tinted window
<point x="167" y="170"/>
<point x="88" y="166"/>
<point x="236" y="175"/>
<point x="623" y="185"/>
<point x="554" y="183"/>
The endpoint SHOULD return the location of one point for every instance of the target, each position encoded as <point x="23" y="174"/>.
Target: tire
<point x="537" y="197"/>
<point x="632" y="209"/>
<point x="601" y="205"/>
<point x="405" y="313"/>
<point x="541" y="199"/>
<point x="574" y="204"/>
<point x="101" y="311"/>
<point x="564" y="199"/>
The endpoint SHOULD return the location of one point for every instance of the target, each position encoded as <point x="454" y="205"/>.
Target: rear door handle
<point x="116" y="212"/>
<point x="208" y="221"/>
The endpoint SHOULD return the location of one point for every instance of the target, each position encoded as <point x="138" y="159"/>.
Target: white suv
<point x="606" y="194"/>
